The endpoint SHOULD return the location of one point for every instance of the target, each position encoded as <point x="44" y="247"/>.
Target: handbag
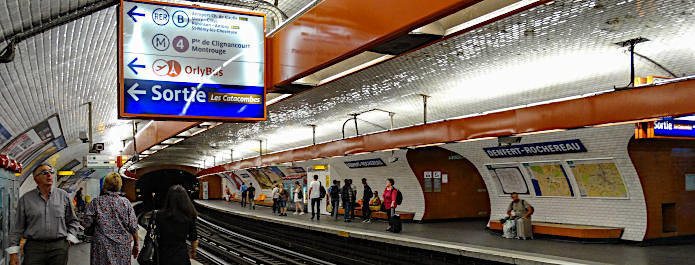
<point x="329" y="208"/>
<point x="89" y="231"/>
<point x="149" y="255"/>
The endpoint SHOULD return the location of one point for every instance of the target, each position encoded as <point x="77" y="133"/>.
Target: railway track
<point x="240" y="249"/>
<point x="221" y="246"/>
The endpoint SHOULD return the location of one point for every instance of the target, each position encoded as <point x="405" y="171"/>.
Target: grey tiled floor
<point x="474" y="233"/>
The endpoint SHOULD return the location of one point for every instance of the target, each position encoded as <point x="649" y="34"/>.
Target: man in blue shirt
<point x="243" y="194"/>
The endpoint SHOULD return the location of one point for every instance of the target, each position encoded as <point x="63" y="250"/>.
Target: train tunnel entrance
<point x="453" y="187"/>
<point x="152" y="187"/>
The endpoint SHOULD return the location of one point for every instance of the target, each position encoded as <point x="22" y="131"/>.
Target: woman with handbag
<point x="114" y="225"/>
<point x="175" y="224"/>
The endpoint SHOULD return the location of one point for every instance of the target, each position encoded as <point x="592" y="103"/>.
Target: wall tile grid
<point x="405" y="180"/>
<point x="605" y="142"/>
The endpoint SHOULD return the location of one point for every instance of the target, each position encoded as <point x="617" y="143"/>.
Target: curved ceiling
<point x="60" y="69"/>
<point x="556" y="50"/>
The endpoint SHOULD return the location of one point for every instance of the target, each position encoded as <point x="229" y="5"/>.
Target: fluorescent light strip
<point x="541" y="132"/>
<point x="277" y="99"/>
<point x="489" y="16"/>
<point x="356" y="68"/>
<point x="476" y="139"/>
<point x="623" y="123"/>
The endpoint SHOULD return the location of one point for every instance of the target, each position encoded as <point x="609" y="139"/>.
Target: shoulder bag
<point x="149" y="255"/>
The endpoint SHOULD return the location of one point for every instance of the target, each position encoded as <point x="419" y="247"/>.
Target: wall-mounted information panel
<point x="190" y="62"/>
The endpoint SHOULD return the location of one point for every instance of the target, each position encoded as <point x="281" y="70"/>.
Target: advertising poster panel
<point x="36" y="144"/>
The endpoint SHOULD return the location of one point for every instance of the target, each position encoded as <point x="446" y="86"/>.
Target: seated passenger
<point x="375" y="202"/>
<point x="521" y="211"/>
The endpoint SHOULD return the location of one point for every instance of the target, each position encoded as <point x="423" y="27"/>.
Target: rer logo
<point x="160" y="16"/>
<point x="170" y="68"/>
<point x="160" y="42"/>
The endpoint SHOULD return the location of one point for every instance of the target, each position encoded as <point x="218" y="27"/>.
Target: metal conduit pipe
<point x="7" y="53"/>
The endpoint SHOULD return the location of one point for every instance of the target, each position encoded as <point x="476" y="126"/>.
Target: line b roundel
<point x="171" y="68"/>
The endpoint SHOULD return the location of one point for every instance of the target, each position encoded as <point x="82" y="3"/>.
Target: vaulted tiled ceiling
<point x="58" y="70"/>
<point x="561" y="49"/>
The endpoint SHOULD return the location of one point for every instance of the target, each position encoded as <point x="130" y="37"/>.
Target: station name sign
<point x="674" y="128"/>
<point x="376" y="162"/>
<point x="190" y="62"/>
<point x="534" y="149"/>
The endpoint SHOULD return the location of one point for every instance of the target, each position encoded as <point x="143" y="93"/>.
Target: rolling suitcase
<point x="396" y="225"/>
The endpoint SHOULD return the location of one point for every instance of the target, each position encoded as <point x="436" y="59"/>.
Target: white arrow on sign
<point x="133" y="92"/>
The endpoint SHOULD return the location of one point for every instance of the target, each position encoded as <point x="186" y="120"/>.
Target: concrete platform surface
<point x="469" y="238"/>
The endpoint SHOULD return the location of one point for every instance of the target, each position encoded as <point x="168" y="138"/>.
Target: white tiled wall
<point x="630" y="213"/>
<point x="400" y="171"/>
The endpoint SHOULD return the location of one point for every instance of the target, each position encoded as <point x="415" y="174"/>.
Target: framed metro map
<point x="549" y="179"/>
<point x="598" y="178"/>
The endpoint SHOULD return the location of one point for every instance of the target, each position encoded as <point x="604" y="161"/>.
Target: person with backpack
<point x="521" y="212"/>
<point x="347" y="196"/>
<point x="316" y="193"/>
<point x="366" y="196"/>
<point x="334" y="201"/>
<point x="391" y="201"/>
<point x="298" y="199"/>
<point x="243" y="194"/>
<point x="251" y="193"/>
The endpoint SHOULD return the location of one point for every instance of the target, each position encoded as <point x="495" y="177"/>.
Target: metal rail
<point x="272" y="251"/>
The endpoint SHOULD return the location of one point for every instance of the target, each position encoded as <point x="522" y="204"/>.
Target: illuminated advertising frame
<point x="185" y="62"/>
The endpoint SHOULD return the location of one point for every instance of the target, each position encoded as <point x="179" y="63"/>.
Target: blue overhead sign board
<point x="376" y="162"/>
<point x="190" y="62"/>
<point x="535" y="149"/>
<point x="674" y="128"/>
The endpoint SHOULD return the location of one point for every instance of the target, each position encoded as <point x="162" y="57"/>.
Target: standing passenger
<point x="298" y="199"/>
<point x="80" y="200"/>
<point x="275" y="194"/>
<point x="251" y="192"/>
<point x="283" y="197"/>
<point x="334" y="192"/>
<point x="366" y="196"/>
<point x="347" y="201"/>
<point x="115" y="223"/>
<point x="46" y="219"/>
<point x="522" y="210"/>
<point x="315" y="196"/>
<point x="243" y="194"/>
<point x="176" y="223"/>
<point x="390" y="194"/>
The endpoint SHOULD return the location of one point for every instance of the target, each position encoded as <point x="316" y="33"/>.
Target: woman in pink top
<point x="390" y="194"/>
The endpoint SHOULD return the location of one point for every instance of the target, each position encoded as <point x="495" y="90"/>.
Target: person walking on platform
<point x="348" y="206"/>
<point x="283" y="198"/>
<point x="366" y="196"/>
<point x="275" y="194"/>
<point x="47" y="220"/>
<point x="390" y="194"/>
<point x="521" y="211"/>
<point x="251" y="193"/>
<point x="315" y="196"/>
<point x="334" y="201"/>
<point x="115" y="225"/>
<point x="243" y="194"/>
<point x="176" y="224"/>
<point x="298" y="199"/>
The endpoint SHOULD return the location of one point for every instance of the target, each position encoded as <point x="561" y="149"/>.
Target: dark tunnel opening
<point x="152" y="187"/>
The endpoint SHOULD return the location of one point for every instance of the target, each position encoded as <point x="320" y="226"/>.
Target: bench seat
<point x="380" y="215"/>
<point x="569" y="230"/>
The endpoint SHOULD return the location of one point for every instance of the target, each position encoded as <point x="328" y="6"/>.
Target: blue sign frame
<point x="674" y="128"/>
<point x="536" y="149"/>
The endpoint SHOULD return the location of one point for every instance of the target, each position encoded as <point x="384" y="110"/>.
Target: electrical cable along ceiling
<point x="553" y="51"/>
<point x="62" y="68"/>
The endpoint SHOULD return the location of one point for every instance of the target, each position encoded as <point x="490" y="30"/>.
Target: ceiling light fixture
<point x="489" y="16"/>
<point x="356" y="68"/>
<point x="277" y="99"/>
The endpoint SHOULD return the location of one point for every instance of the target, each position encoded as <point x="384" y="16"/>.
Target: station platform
<point x="469" y="238"/>
<point x="79" y="254"/>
